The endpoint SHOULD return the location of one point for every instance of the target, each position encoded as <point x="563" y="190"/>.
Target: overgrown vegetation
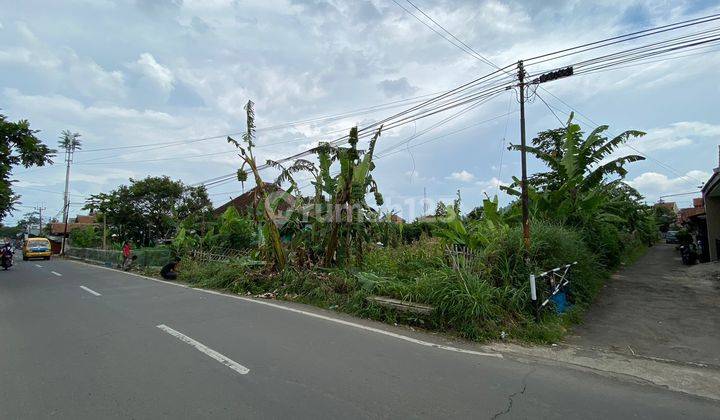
<point x="18" y="146"/>
<point x="339" y="251"/>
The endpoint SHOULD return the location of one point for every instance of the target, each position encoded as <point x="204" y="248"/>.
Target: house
<point x="78" y="222"/>
<point x="394" y="218"/>
<point x="670" y="205"/>
<point x="711" y="199"/>
<point x="58" y="230"/>
<point x="694" y="219"/>
<point x="248" y="203"/>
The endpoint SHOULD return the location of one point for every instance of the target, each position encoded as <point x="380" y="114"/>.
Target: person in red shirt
<point x="127" y="253"/>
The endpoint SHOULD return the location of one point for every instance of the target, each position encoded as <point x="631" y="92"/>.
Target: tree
<point x="576" y="187"/>
<point x="150" y="209"/>
<point x="246" y="154"/>
<point x="457" y="203"/>
<point x="18" y="146"/>
<point x="29" y="221"/>
<point x="339" y="199"/>
<point x="10" y="231"/>
<point x="85" y="238"/>
<point x="665" y="217"/>
<point x="441" y="209"/>
<point x="584" y="188"/>
<point x="475" y="214"/>
<point x="69" y="141"/>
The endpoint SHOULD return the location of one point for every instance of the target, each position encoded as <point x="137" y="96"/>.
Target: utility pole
<point x="424" y="201"/>
<point x="70" y="142"/>
<point x="104" y="232"/>
<point x="40" y="209"/>
<point x="545" y="77"/>
<point x="65" y="230"/>
<point x="523" y="161"/>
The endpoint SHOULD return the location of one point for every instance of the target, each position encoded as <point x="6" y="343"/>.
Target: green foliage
<point x="665" y="217"/>
<point x="238" y="275"/>
<point x="493" y="296"/>
<point x="233" y="231"/>
<point x="339" y="199"/>
<point x="152" y="208"/>
<point x="584" y="189"/>
<point x="441" y="209"/>
<point x="18" y="146"/>
<point x="246" y="154"/>
<point x="86" y="237"/>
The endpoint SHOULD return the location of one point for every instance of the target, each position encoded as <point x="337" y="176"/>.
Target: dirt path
<point x="657" y="308"/>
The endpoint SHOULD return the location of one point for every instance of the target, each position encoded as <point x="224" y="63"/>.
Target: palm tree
<point x="69" y="141"/>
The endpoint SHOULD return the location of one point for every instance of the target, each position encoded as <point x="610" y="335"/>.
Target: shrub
<point x="86" y="237"/>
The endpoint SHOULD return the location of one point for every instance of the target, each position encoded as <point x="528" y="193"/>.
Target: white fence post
<point x="533" y="290"/>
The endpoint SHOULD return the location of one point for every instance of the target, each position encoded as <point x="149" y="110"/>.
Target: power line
<point x="459" y="46"/>
<point x="627" y="37"/>
<point x="679" y="194"/>
<point x="644" y="154"/>
<point x="472" y="51"/>
<point x="445" y="103"/>
<point x="359" y="111"/>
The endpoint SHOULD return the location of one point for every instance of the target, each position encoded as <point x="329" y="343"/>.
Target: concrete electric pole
<point x="70" y="142"/>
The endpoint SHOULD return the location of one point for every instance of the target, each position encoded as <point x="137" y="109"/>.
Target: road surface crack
<point x="513" y="395"/>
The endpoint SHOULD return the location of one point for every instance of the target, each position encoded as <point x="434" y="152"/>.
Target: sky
<point x="127" y="73"/>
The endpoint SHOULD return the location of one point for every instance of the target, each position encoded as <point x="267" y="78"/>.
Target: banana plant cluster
<point x="578" y="189"/>
<point x="269" y="228"/>
<point x="337" y="215"/>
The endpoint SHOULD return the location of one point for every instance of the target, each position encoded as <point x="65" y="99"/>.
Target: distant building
<point x="670" y="205"/>
<point x="393" y="218"/>
<point x="57" y="229"/>
<point x="78" y="222"/>
<point x="695" y="221"/>
<point x="249" y="202"/>
<point x="711" y="198"/>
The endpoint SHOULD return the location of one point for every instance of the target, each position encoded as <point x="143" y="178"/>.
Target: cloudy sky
<point x="125" y="73"/>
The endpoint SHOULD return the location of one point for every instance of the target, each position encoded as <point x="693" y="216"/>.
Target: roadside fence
<point x="461" y="257"/>
<point x="551" y="283"/>
<point x="215" y="254"/>
<point x="146" y="257"/>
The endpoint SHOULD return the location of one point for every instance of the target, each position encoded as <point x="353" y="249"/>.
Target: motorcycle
<point x="7" y="258"/>
<point x="689" y="254"/>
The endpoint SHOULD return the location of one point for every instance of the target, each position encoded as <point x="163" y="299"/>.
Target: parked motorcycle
<point x="689" y="254"/>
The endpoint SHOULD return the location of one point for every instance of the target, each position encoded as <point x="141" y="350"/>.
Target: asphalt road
<point x="78" y="341"/>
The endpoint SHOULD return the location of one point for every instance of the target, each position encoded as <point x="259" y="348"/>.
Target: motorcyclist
<point x="6" y="253"/>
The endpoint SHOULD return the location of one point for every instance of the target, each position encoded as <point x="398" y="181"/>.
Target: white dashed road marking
<point x="38" y="265"/>
<point x="56" y="273"/>
<point x="91" y="291"/>
<point x="237" y="367"/>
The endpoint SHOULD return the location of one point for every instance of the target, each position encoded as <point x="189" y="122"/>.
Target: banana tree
<point x="246" y="154"/>
<point x="351" y="185"/>
<point x="338" y="198"/>
<point x="579" y="168"/>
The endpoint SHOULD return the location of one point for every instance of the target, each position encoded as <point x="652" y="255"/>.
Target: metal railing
<point x="552" y="282"/>
<point x="215" y="254"/>
<point x="146" y="257"/>
<point x="461" y="257"/>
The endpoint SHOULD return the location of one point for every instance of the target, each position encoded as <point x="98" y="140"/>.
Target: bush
<point x="239" y="275"/>
<point x="86" y="237"/>
<point x="493" y="296"/>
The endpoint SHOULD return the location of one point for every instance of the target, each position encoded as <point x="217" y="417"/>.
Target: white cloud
<point x="491" y="186"/>
<point x="653" y="185"/>
<point x="676" y="135"/>
<point x="463" y="176"/>
<point x="103" y="176"/>
<point x="148" y="67"/>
